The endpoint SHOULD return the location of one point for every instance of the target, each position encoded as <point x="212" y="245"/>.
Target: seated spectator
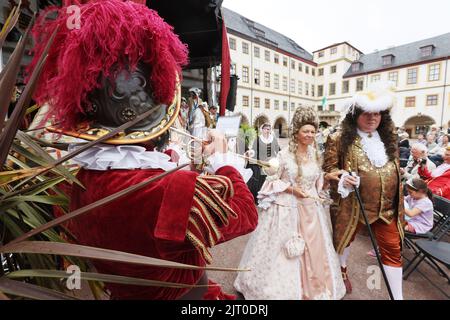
<point x="418" y="156"/>
<point x="437" y="153"/>
<point x="418" y="207"/>
<point x="421" y="139"/>
<point x="403" y="145"/>
<point x="438" y="180"/>
<point x="431" y="141"/>
<point x="403" y="140"/>
<point x="433" y="130"/>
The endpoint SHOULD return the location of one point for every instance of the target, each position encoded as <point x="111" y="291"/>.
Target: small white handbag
<point x="294" y="247"/>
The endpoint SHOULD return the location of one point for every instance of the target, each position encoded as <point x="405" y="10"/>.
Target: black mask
<point x="123" y="98"/>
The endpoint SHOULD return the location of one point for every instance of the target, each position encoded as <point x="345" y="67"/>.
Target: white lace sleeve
<point x="273" y="185"/>
<point x="344" y="191"/>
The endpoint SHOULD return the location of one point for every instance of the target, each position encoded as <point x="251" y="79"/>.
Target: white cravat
<point x="374" y="148"/>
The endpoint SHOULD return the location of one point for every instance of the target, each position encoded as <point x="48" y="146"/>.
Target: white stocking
<point x="343" y="257"/>
<point x="394" y="276"/>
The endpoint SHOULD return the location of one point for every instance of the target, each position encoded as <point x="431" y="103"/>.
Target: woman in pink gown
<point x="291" y="253"/>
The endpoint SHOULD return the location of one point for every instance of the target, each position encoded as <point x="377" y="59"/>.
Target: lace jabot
<point x="374" y="148"/>
<point x="105" y="157"/>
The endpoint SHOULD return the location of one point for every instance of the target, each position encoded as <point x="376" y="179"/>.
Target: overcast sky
<point x="366" y="24"/>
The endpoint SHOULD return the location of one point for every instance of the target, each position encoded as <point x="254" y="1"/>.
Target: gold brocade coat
<point x="380" y="189"/>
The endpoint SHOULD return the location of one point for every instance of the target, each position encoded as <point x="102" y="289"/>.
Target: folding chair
<point x="436" y="251"/>
<point x="434" y="247"/>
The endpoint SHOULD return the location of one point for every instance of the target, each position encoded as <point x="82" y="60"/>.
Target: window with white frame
<point x="232" y="43"/>
<point x="256" y="51"/>
<point x="276" y="81"/>
<point x="267" y="103"/>
<point x="292" y="85"/>
<point x="245" y="47"/>
<point x="375" y="78"/>
<point x="388" y="59"/>
<point x="307" y="69"/>
<point x="412" y="76"/>
<point x="285" y="61"/>
<point x="434" y="72"/>
<point x="393" y="77"/>
<point x="284" y="83"/>
<point x="312" y="90"/>
<point x="307" y="88"/>
<point x="320" y="71"/>
<point x="356" y="66"/>
<point x="257" y="77"/>
<point x="267" y="55"/>
<point x="300" y="67"/>
<point x="256" y="102"/>
<point x="432" y="100"/>
<point x="267" y="79"/>
<point x="332" y="89"/>
<point x="245" y="74"/>
<point x="345" y="86"/>
<point x="333" y="50"/>
<point x="426" y="51"/>
<point x="285" y="105"/>
<point x="300" y="87"/>
<point x="245" y="101"/>
<point x="276" y="58"/>
<point x="410" y="102"/>
<point x="320" y="90"/>
<point x="292" y="106"/>
<point x="360" y="84"/>
<point x="276" y="104"/>
<point x="321" y="54"/>
<point x="333" y="69"/>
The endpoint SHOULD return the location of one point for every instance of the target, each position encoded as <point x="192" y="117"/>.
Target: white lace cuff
<point x="219" y="160"/>
<point x="181" y="154"/>
<point x="343" y="191"/>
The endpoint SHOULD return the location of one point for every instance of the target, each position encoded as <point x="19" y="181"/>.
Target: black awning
<point x="198" y="24"/>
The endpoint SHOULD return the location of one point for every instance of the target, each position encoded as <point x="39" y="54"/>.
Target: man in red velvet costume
<point x="124" y="60"/>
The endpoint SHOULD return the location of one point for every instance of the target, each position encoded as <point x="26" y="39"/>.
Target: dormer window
<point x="426" y="51"/>
<point x="356" y="66"/>
<point x="388" y="59"/>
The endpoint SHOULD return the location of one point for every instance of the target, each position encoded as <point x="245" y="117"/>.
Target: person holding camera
<point x="418" y="156"/>
<point x="438" y="180"/>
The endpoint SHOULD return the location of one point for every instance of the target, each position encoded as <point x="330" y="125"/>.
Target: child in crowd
<point x="418" y="207"/>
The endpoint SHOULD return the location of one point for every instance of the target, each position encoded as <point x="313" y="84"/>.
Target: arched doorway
<point x="418" y="124"/>
<point x="280" y="128"/>
<point x="260" y="120"/>
<point x="324" y="124"/>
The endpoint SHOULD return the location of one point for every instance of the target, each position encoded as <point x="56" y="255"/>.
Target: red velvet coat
<point x="151" y="222"/>
<point x="439" y="185"/>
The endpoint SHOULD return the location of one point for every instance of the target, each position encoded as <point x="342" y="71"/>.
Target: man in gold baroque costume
<point x="367" y="148"/>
